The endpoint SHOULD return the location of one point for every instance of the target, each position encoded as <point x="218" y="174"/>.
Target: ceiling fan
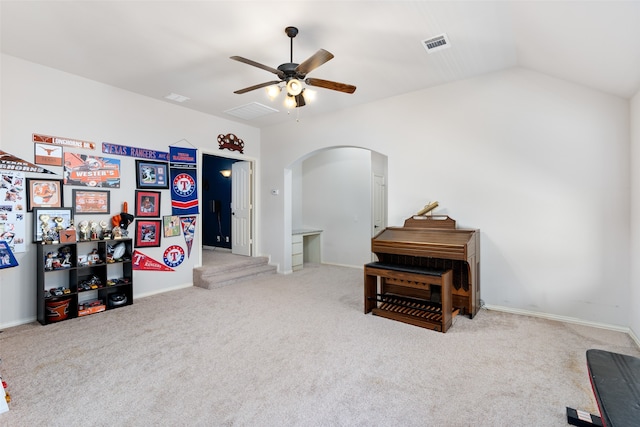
<point x="292" y="75"/>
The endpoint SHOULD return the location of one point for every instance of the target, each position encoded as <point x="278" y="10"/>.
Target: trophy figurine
<point x="104" y="234"/>
<point x="44" y="226"/>
<point x="84" y="230"/>
<point x="94" y="230"/>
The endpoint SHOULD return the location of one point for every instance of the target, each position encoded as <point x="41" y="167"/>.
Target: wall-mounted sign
<point x="230" y="142"/>
<point x="91" y="171"/>
<point x="173" y="256"/>
<point x="47" y="154"/>
<point x="68" y="142"/>
<point x="144" y="153"/>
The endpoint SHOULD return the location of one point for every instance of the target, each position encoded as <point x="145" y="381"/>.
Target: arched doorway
<point x="341" y="191"/>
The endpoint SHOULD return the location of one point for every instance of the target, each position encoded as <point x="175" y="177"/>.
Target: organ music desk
<point x="428" y="262"/>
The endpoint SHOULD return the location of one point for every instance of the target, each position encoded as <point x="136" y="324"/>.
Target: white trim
<point x="18" y="323"/>
<point x="634" y="337"/>
<point x="561" y="319"/>
<point x="163" y="290"/>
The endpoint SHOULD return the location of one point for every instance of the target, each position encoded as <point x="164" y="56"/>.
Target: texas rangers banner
<point x="143" y="262"/>
<point x="183" y="171"/>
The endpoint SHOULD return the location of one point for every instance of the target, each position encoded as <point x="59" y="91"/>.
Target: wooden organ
<point x="427" y="272"/>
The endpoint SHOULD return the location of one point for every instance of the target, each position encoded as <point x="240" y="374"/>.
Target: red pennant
<point x="143" y="262"/>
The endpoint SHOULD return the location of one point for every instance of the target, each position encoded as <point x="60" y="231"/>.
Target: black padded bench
<point x="615" y="379"/>
<point x="413" y="295"/>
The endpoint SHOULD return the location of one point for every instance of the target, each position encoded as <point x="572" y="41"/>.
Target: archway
<point x="332" y="189"/>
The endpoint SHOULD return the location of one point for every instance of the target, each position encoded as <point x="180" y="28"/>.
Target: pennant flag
<point x="143" y="262"/>
<point x="7" y="259"/>
<point x="188" y="229"/>
<point x="182" y="164"/>
<point x="13" y="163"/>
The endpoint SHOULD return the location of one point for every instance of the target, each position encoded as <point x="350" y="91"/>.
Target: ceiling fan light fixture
<point x="273" y="91"/>
<point x="294" y="87"/>
<point x="309" y="95"/>
<point x="290" y="102"/>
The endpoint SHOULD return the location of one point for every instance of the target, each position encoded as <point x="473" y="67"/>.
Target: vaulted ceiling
<point x="156" y="48"/>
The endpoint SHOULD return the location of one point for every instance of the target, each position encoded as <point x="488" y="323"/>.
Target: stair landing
<point x="222" y="268"/>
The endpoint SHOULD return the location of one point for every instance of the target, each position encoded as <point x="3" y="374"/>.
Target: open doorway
<point x="227" y="204"/>
<point x="340" y="191"/>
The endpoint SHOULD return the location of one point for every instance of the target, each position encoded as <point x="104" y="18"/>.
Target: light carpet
<point x="295" y="350"/>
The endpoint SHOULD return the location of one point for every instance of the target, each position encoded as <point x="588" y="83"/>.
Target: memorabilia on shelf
<point x="104" y="234"/>
<point x="93" y="226"/>
<point x="84" y="230"/>
<point x="49" y="224"/>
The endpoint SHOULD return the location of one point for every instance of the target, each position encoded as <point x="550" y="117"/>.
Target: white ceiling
<point x="155" y="48"/>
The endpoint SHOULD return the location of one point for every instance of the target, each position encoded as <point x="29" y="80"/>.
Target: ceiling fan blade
<point x="254" y="87"/>
<point x="313" y="62"/>
<point x="259" y="65"/>
<point x="327" y="84"/>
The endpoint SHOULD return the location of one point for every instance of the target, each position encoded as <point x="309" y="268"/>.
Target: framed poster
<point x="91" y="171"/>
<point x="148" y="233"/>
<point x="151" y="174"/>
<point x="47" y="223"/>
<point x="44" y="193"/>
<point x="147" y="204"/>
<point x="171" y="225"/>
<point x="47" y="154"/>
<point x="91" y="202"/>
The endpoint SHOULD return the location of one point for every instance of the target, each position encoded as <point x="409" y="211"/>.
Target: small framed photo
<point x="151" y="174"/>
<point x="148" y="203"/>
<point x="48" y="222"/>
<point x="171" y="225"/>
<point x="91" y="202"/>
<point x="44" y="193"/>
<point x="148" y="233"/>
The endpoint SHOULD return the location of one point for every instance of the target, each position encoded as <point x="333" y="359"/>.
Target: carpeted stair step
<point x="213" y="276"/>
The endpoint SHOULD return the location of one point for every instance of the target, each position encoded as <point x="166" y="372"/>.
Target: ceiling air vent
<point x="251" y="111"/>
<point x="436" y="43"/>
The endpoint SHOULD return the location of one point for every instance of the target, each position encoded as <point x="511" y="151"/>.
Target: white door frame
<point x="254" y="168"/>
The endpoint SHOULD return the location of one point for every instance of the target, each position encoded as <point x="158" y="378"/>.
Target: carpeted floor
<point x="295" y="350"/>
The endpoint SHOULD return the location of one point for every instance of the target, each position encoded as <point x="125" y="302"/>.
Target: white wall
<point x="337" y="199"/>
<point x="634" y="300"/>
<point x="37" y="99"/>
<point x="538" y="164"/>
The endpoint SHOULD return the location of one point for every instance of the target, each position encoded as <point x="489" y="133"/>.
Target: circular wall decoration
<point x="173" y="256"/>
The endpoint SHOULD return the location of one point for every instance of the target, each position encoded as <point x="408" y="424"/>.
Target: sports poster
<point x="12" y="210"/>
<point x="91" y="171"/>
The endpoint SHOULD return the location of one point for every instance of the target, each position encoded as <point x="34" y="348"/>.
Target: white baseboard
<point x="565" y="319"/>
<point x="634" y="337"/>
<point x="163" y="290"/>
<point x="18" y="323"/>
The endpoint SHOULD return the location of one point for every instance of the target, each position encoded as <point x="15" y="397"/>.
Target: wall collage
<point x="95" y="176"/>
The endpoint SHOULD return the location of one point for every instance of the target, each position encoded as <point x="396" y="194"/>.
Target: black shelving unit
<point x="86" y="281"/>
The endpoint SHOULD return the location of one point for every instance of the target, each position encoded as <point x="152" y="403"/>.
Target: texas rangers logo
<point x="184" y="185"/>
<point x="173" y="256"/>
